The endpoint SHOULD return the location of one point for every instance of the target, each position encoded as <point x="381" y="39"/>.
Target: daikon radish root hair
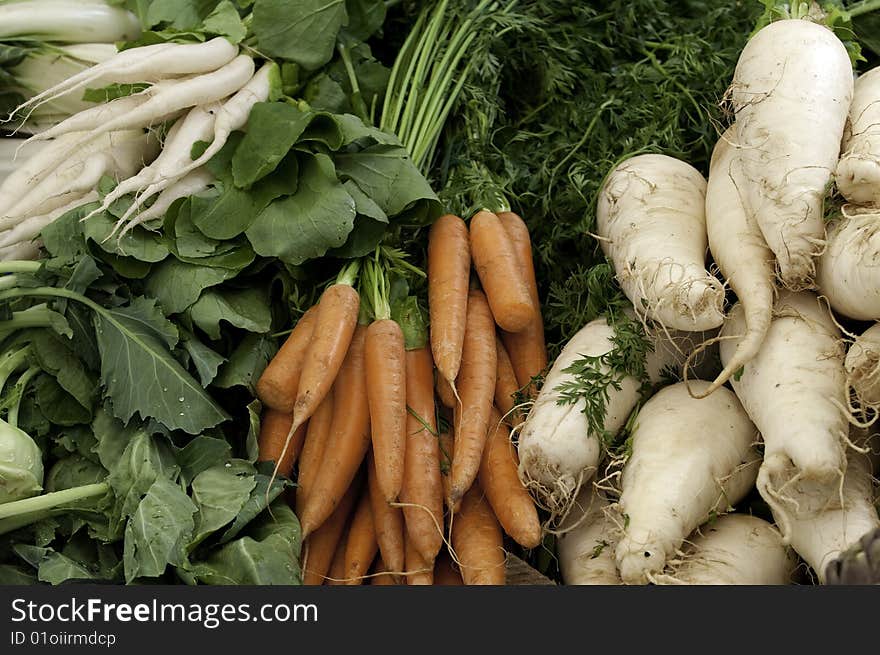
<point x="735" y="549"/>
<point x="586" y="541"/>
<point x="651" y="224"/>
<point x="791" y="92"/>
<point x="858" y="171"/>
<point x="690" y="458"/>
<point x="862" y="365"/>
<point x="740" y="252"/>
<point x="820" y="536"/>
<point x="794" y="390"/>
<point x="558" y="451"/>
<point x="848" y="271"/>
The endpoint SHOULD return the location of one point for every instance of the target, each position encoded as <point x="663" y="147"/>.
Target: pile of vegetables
<point x="366" y="293"/>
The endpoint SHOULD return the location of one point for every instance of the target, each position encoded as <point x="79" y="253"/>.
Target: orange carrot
<point x="380" y="574"/>
<point x="385" y="364"/>
<point x="527" y="349"/>
<point x="274" y="426"/>
<point x="388" y="522"/>
<point x="334" y="326"/>
<point x="445" y="572"/>
<point x="444" y="391"/>
<point x="422" y="492"/>
<point x="500" y="273"/>
<point x="447" y="447"/>
<point x="511" y="503"/>
<point x="506" y="386"/>
<point x="317" y="434"/>
<point x="361" y="547"/>
<point x="419" y="571"/>
<point x="322" y="543"/>
<point x="336" y="574"/>
<point x="478" y="541"/>
<point x="347" y="442"/>
<point x="476" y="387"/>
<point x="279" y="382"/>
<point x="449" y="266"/>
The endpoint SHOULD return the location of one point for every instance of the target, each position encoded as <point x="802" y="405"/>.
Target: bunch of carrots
<point x="387" y="476"/>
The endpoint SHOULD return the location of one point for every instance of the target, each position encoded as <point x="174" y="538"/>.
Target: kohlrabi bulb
<point x="21" y="464"/>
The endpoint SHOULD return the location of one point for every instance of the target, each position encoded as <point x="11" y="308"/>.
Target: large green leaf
<point x="200" y="454"/>
<point x="268" y="555"/>
<point x="177" y="285"/>
<point x="220" y="492"/>
<point x="306" y="225"/>
<point x="273" y="128"/>
<point x="247" y="309"/>
<point x="142" y="377"/>
<point x="246" y="363"/>
<point x="303" y="31"/>
<point x="55" y="356"/>
<point x="158" y="531"/>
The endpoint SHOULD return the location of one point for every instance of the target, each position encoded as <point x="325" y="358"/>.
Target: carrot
<point x="380" y="573"/>
<point x="509" y="499"/>
<point x="274" y="426"/>
<point x="336" y="574"/>
<point x="444" y="391"/>
<point x="527" y="349"/>
<point x="385" y="364"/>
<point x="313" y="449"/>
<point x="419" y="570"/>
<point x="323" y="542"/>
<point x="347" y="442"/>
<point x="279" y="382"/>
<point x="449" y="266"/>
<point x="445" y="572"/>
<point x="506" y="386"/>
<point x="335" y="323"/>
<point x="422" y="492"/>
<point x="500" y="273"/>
<point x="478" y="542"/>
<point x="447" y="447"/>
<point x="476" y="382"/>
<point x="361" y="547"/>
<point x="388" y="522"/>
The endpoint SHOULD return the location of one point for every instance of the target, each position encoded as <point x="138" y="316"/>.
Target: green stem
<point x="357" y="100"/>
<point x="21" y="384"/>
<point x="406" y="57"/>
<point x="11" y="362"/>
<point x="348" y="275"/>
<point x="8" y="281"/>
<point x="16" y="266"/>
<point x="50" y="500"/>
<point x="864" y="7"/>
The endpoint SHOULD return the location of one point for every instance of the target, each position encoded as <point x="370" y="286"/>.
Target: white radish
<point x="145" y="64"/>
<point x="32" y="226"/>
<point x="739" y="250"/>
<point x="197" y="125"/>
<point x="794" y="391"/>
<point x="735" y="549"/>
<point x="123" y="154"/>
<point x="91" y="121"/>
<point x="34" y="168"/>
<point x="820" y="536"/>
<point x="189" y="185"/>
<point x="863" y="368"/>
<point x="652" y="226"/>
<point x="791" y="92"/>
<point x="29" y="250"/>
<point x="858" y="171"/>
<point x="587" y="540"/>
<point x="558" y="452"/>
<point x="68" y="21"/>
<point x="690" y="458"/>
<point x="848" y="272"/>
<point x="233" y="115"/>
<point x="171" y="98"/>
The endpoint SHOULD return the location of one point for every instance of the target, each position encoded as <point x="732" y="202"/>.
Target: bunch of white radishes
<point x="203" y="91"/>
<point x="804" y="390"/>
